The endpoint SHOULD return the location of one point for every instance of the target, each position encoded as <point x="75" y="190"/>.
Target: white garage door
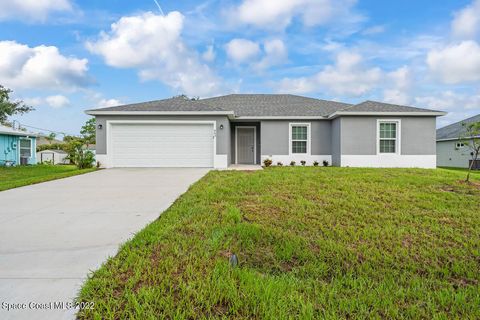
<point x="162" y="145"/>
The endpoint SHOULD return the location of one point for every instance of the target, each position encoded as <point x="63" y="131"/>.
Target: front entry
<point x="245" y="145"/>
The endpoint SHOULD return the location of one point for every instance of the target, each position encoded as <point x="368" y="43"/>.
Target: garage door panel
<point x="162" y="145"/>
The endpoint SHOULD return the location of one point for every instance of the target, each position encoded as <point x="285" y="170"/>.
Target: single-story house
<point x="451" y="150"/>
<point x="17" y="147"/>
<point x="249" y="128"/>
<point x="53" y="157"/>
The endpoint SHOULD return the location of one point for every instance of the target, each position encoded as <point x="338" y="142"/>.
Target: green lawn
<point x="461" y="169"/>
<point x="14" y="177"/>
<point x="312" y="243"/>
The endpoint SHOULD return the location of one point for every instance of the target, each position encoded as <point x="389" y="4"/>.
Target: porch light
<point x="221" y="126"/>
<point x="99" y="127"/>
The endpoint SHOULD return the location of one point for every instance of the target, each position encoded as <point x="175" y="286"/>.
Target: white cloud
<point x="34" y="102"/>
<point x="398" y="92"/>
<point x="275" y="53"/>
<point x="153" y="44"/>
<point x="347" y="77"/>
<point x="279" y="14"/>
<point x="242" y="50"/>
<point x="34" y="10"/>
<point x="449" y="101"/>
<point x="459" y="106"/>
<point x="57" y="101"/>
<point x="456" y="63"/>
<point x="209" y="54"/>
<point x="271" y="52"/>
<point x="105" y="103"/>
<point x="373" y="30"/>
<point x="42" y="67"/>
<point x="466" y="23"/>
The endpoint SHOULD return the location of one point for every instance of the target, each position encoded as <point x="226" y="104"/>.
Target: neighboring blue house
<point x="17" y="147"/>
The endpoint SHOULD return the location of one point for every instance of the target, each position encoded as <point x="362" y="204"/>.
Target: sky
<point x="65" y="56"/>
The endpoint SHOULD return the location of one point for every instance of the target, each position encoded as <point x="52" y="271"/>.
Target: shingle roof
<point x="12" y="132"/>
<point x="172" y="104"/>
<point x="375" y="106"/>
<point x="455" y="130"/>
<point x="262" y="105"/>
<point x="245" y="105"/>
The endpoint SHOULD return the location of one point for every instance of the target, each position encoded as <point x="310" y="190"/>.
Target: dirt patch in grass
<point x="470" y="184"/>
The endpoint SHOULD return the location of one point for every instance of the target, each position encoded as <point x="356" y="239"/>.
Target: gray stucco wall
<point x="223" y="135"/>
<point x="359" y="135"/>
<point x="449" y="156"/>
<point x="336" y="141"/>
<point x="233" y="137"/>
<point x="275" y="136"/>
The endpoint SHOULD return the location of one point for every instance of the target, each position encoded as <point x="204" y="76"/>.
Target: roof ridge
<point x="459" y="122"/>
<point x="388" y="104"/>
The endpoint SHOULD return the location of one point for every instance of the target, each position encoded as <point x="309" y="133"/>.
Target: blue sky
<point x="65" y="56"/>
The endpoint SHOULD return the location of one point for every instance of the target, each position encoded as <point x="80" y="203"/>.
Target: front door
<point x="245" y="145"/>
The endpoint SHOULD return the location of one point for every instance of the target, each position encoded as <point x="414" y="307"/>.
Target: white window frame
<point x="309" y="137"/>
<point x="20" y="147"/>
<point x="460" y="145"/>
<point x="398" y="139"/>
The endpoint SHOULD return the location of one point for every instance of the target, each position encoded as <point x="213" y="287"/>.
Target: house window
<point x="388" y="137"/>
<point x="25" y="148"/>
<point x="299" y="138"/>
<point x="460" y="145"/>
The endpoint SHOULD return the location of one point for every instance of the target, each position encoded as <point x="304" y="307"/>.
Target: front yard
<point x="19" y="176"/>
<point x="312" y="243"/>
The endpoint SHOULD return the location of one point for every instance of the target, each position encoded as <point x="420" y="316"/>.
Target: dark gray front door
<point x="245" y="145"/>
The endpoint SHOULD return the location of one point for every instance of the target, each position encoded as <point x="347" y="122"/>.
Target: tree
<point x="184" y="96"/>
<point x="471" y="138"/>
<point x="9" y="108"/>
<point x="88" y="132"/>
<point x="50" y="137"/>
<point x="80" y="157"/>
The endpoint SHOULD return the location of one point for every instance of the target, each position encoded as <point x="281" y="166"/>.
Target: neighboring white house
<point x="52" y="156"/>
<point x="451" y="151"/>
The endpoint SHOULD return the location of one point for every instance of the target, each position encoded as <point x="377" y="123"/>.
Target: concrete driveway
<point x="52" y="234"/>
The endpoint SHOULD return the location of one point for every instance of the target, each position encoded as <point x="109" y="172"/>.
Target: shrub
<point x="325" y="163"/>
<point x="303" y="162"/>
<point x="315" y="163"/>
<point x="52" y="146"/>
<point x="279" y="164"/>
<point x="292" y="163"/>
<point x="82" y="158"/>
<point x="267" y="162"/>
<point x="48" y="162"/>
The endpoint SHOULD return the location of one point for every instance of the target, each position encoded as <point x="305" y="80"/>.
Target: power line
<point x="42" y="129"/>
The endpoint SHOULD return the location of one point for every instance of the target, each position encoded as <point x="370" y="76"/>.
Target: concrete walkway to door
<point x="52" y="234"/>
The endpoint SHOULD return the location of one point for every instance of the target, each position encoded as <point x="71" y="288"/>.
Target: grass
<point x="323" y="243"/>
<point x="14" y="177"/>
<point x="461" y="169"/>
